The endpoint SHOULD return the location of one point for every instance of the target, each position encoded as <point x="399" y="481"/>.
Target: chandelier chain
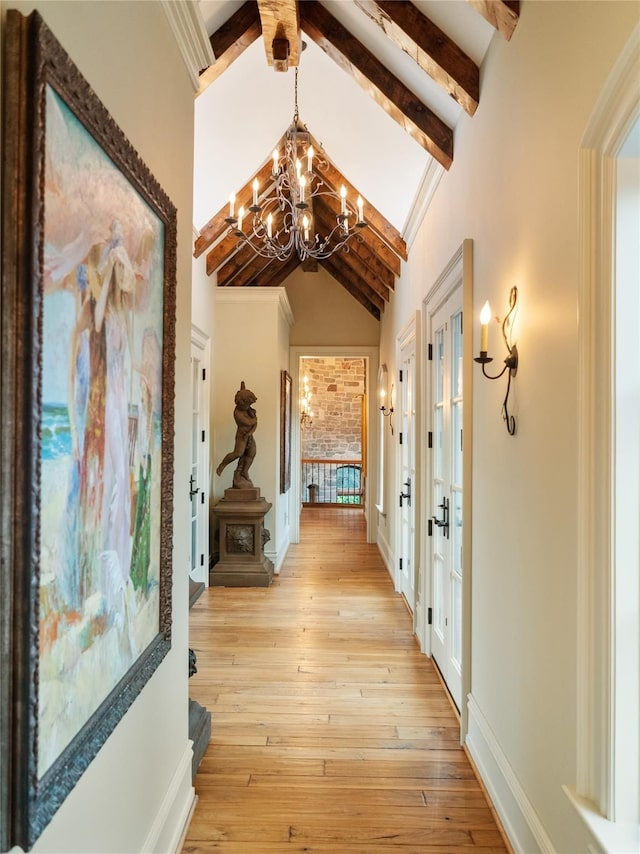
<point x="295" y="97"/>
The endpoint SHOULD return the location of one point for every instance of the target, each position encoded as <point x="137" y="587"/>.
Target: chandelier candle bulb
<point x="240" y="217"/>
<point x="255" y="192"/>
<point x="305" y="224"/>
<point x="343" y="200"/>
<point x="310" y="159"/>
<point x="303" y="184"/>
<point x="274" y="171"/>
<point x="485" y="317"/>
<point x="360" y="204"/>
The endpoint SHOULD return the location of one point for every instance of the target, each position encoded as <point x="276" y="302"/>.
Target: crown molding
<point x="241" y="296"/>
<point x="428" y="185"/>
<point x="187" y="26"/>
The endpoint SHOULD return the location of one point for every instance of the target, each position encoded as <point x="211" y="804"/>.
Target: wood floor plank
<point x="294" y="847"/>
<point x="331" y="733"/>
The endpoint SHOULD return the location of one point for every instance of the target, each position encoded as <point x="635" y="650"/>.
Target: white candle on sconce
<point x="485" y="317"/>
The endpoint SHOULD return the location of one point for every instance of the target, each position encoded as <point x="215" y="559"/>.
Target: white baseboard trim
<point x="277" y="557"/>
<point x="420" y="625"/>
<point x="168" y="828"/>
<point x="385" y="550"/>
<point x="519" y="819"/>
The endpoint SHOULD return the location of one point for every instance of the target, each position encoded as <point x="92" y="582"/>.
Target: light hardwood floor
<point x="332" y="734"/>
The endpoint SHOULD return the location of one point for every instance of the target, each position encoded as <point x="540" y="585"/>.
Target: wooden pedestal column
<point x="242" y="560"/>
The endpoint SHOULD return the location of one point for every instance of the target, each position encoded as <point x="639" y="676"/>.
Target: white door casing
<point x="608" y="743"/>
<point x="447" y="491"/>
<point x="199" y="459"/>
<point x="295" y="498"/>
<point x="407" y="489"/>
<point x="457" y="276"/>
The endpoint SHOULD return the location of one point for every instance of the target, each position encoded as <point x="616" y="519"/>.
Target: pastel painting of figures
<point x="100" y="430"/>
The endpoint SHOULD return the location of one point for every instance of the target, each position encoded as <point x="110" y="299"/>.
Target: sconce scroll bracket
<point x="510" y="363"/>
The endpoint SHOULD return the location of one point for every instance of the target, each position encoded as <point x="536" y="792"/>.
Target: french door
<point x="446" y="491"/>
<point x="407" y="395"/>
<point x="199" y="471"/>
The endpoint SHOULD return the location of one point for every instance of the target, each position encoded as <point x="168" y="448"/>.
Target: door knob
<point x="406" y="494"/>
<point x="193" y="489"/>
<point x="444" y="522"/>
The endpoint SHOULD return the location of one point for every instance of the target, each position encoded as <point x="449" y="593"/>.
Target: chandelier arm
<point x="294" y="184"/>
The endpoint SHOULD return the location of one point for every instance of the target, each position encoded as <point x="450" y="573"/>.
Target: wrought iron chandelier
<point x="282" y="222"/>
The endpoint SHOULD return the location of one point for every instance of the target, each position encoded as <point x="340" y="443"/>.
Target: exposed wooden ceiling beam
<point x="241" y="268"/>
<point x="351" y="259"/>
<point x="432" y="50"/>
<point x="232" y="39"/>
<point x="277" y="272"/>
<point x="376" y="246"/>
<point x="353" y="272"/>
<point x="221" y="252"/>
<point x="389" y="92"/>
<point x="244" y="265"/>
<point x="281" y="32"/>
<point x="352" y="286"/>
<point x="383" y="240"/>
<point x="240" y="278"/>
<point x="501" y="14"/>
<point x="335" y="179"/>
<point x="217" y="226"/>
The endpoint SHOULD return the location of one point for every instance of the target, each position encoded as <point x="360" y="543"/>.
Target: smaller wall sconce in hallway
<point x="306" y="415"/>
<point x="387" y="412"/>
<point x="510" y="363"/>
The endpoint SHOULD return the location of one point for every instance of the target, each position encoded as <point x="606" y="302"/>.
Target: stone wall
<point x="336" y="386"/>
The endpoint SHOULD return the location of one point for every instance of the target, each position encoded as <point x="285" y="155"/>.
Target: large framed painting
<point x="285" y="431"/>
<point x="87" y="377"/>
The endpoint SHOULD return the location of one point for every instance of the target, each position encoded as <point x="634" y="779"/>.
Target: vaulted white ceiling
<point x="243" y="113"/>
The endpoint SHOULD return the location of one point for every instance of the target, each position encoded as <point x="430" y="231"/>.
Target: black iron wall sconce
<point x="387" y="412"/>
<point x="510" y="363"/>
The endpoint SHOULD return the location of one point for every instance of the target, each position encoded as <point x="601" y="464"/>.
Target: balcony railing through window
<point x="333" y="482"/>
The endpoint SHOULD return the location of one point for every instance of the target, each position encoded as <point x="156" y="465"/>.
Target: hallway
<point x="331" y="732"/>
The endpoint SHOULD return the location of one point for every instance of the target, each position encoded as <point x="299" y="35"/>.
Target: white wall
<point x="203" y="316"/>
<point x="513" y="190"/>
<point x="202" y="290"/>
<point x="136" y="793"/>
<point x="251" y="334"/>
<point x="326" y="314"/>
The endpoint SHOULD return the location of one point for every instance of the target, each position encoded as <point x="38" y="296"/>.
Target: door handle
<point x="406" y="494"/>
<point x="444" y="522"/>
<point x="193" y="489"/>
